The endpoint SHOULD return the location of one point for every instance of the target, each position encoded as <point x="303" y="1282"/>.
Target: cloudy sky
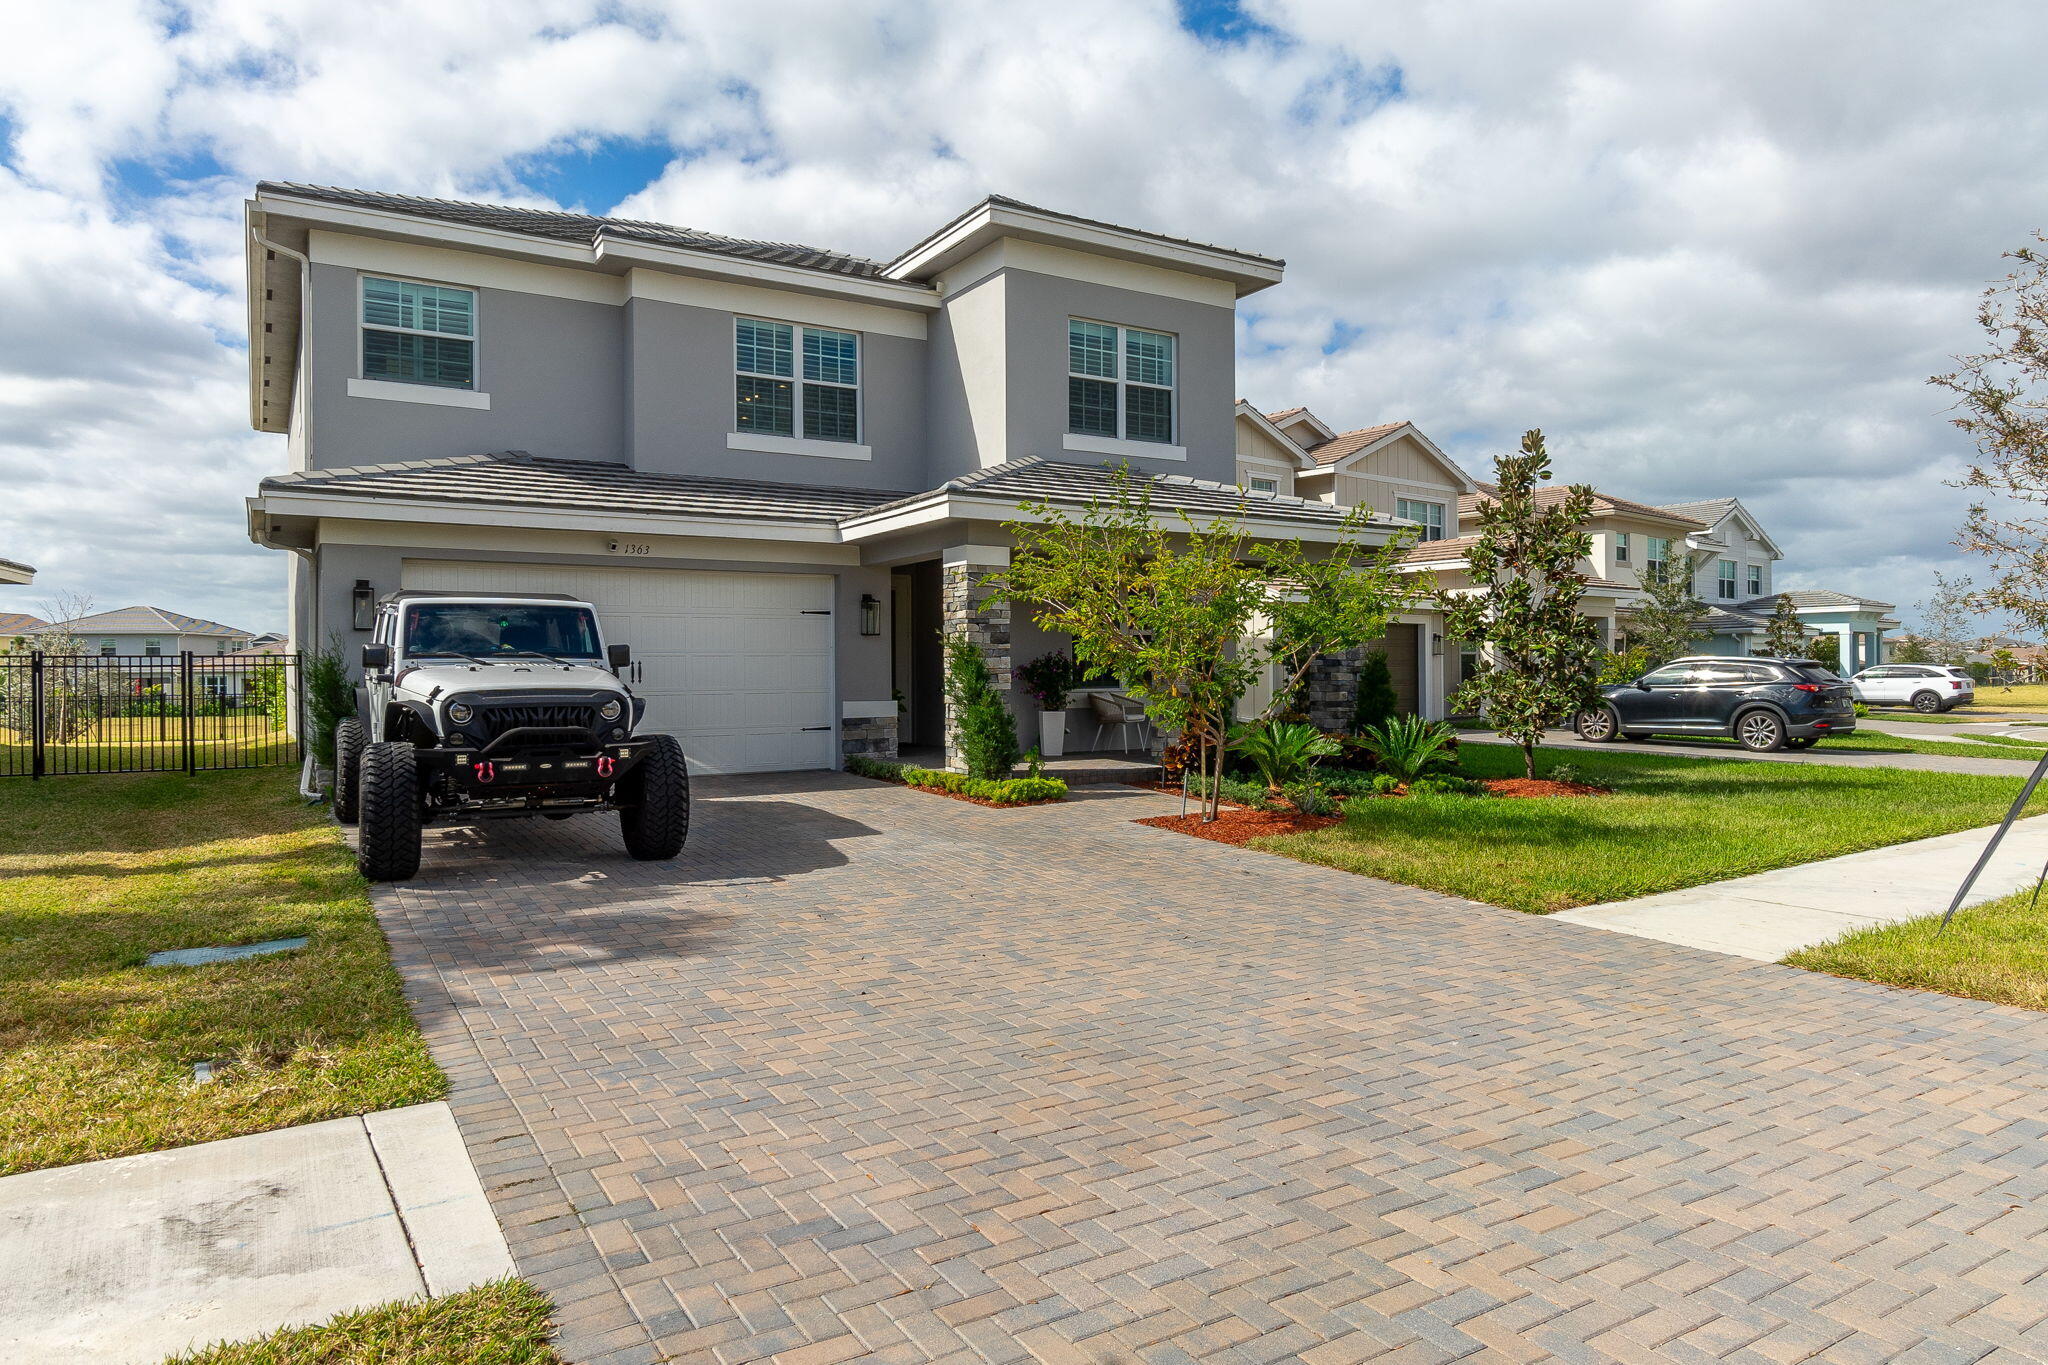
<point x="1709" y="248"/>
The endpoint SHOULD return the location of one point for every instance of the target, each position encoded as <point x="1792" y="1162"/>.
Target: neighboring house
<point x="15" y="627"/>
<point x="11" y="572"/>
<point x="778" y="471"/>
<point x="148" y="632"/>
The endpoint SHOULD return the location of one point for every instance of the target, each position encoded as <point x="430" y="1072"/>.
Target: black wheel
<point x="1806" y="743"/>
<point x="654" y="800"/>
<point x="1760" y="732"/>
<point x="1926" y="703"/>
<point x="388" y="836"/>
<point x="349" y="740"/>
<point x="1597" y="725"/>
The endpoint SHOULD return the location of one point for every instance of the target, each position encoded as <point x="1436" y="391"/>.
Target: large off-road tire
<point x="1760" y="731"/>
<point x="654" y="802"/>
<point x="1598" y="725"/>
<point x="350" y="739"/>
<point x="388" y="833"/>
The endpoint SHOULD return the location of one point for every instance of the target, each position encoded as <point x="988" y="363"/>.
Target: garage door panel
<point x="729" y="663"/>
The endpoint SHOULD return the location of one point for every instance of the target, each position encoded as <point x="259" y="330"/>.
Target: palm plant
<point x="1406" y="747"/>
<point x="1282" y="752"/>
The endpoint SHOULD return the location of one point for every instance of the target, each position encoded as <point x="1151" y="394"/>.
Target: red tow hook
<point x="606" y="765"/>
<point x="485" y="771"/>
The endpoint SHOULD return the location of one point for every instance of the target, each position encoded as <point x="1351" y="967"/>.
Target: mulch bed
<point x="1236" y="825"/>
<point x="1541" y="786"/>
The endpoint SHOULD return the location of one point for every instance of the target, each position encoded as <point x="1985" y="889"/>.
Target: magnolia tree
<point x="1542" y="656"/>
<point x="1784" y="637"/>
<point x="1172" y="607"/>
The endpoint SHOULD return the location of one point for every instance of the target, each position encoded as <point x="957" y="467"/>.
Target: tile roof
<point x="1036" y="479"/>
<point x="581" y="228"/>
<point x="1005" y="201"/>
<point x="19" y="623"/>
<point x="513" y="478"/>
<point x="140" y="620"/>
<point x="1284" y="413"/>
<point x="1452" y="549"/>
<point x="1603" y="503"/>
<point x="1816" y="597"/>
<point x="1706" y="512"/>
<point x="1351" y="442"/>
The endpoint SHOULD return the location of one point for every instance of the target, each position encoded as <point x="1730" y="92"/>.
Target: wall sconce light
<point x="365" y="600"/>
<point x="870" y="614"/>
<point x="1436" y="645"/>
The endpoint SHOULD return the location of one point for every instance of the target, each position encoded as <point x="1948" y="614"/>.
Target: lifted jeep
<point x="476" y="706"/>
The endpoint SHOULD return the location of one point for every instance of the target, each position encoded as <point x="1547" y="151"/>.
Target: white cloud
<point x="1710" y="247"/>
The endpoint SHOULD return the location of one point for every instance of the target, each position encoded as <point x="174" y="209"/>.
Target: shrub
<point x="330" y="699"/>
<point x="986" y="732"/>
<point x="1565" y="772"/>
<point x="875" y="767"/>
<point x="1385" y="784"/>
<point x="1409" y="746"/>
<point x="1282" y="752"/>
<point x="1625" y="665"/>
<point x="1309" y="798"/>
<point x="1376" y="701"/>
<point x="1447" y="785"/>
<point x="1861" y="709"/>
<point x="1012" y="791"/>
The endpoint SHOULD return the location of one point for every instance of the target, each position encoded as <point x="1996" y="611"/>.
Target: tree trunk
<point x="1529" y="758"/>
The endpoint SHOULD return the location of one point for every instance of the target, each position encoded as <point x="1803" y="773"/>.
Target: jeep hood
<point x="535" y="675"/>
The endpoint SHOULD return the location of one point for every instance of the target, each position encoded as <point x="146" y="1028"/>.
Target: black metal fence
<point x="75" y="713"/>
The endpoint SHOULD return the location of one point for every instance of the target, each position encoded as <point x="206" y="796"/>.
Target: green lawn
<point x="505" y="1323"/>
<point x="96" y="1050"/>
<point x="1876" y="742"/>
<point x="1995" y="951"/>
<point x="1673" y="821"/>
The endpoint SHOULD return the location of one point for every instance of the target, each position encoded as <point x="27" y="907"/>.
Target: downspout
<point x="307" y="769"/>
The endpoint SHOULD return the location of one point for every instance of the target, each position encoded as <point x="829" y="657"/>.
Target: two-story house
<point x="147" y="633"/>
<point x="779" y="472"/>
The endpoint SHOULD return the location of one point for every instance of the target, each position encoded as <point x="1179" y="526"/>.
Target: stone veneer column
<point x="868" y="736"/>
<point x="965" y="609"/>
<point x="1332" y="687"/>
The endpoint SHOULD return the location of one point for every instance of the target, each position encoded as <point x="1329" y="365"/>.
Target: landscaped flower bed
<point x="1012" y="791"/>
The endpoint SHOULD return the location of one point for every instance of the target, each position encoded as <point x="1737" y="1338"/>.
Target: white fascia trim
<point x="1465" y="482"/>
<point x="431" y="231"/>
<point x="1263" y="423"/>
<point x="955" y="507"/>
<point x="276" y="504"/>
<point x="796" y="445"/>
<point x="866" y="710"/>
<point x="1110" y="445"/>
<point x="1756" y="528"/>
<point x="1198" y="260"/>
<point x="393" y="392"/>
<point x="894" y="293"/>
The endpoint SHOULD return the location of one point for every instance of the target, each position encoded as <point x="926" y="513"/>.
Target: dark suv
<point x="1765" y="704"/>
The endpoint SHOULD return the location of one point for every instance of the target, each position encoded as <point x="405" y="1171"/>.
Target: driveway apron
<point x="872" y="1074"/>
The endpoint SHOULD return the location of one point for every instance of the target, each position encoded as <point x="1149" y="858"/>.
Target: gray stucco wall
<point x="1034" y="322"/>
<point x="554" y="369"/>
<point x="679" y="398"/>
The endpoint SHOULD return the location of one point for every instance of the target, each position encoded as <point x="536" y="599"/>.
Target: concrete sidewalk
<point x="1770" y="914"/>
<point x="1678" y="746"/>
<point x="123" y="1262"/>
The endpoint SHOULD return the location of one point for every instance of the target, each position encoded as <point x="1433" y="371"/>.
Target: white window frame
<point x="795" y="378"/>
<point x="152" y="649"/>
<point x="1400" y="510"/>
<point x="412" y="386"/>
<point x="109" y="647"/>
<point x="1725" y="582"/>
<point x="1261" y="484"/>
<point x="1621" y="547"/>
<point x="1123" y="384"/>
<point x="1651" y="560"/>
<point x="1755" y="582"/>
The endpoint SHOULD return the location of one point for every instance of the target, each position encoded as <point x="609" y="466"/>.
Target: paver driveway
<point x="871" y="1074"/>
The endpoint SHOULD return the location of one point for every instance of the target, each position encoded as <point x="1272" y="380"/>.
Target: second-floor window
<point x="419" y="333"/>
<point x="776" y="394"/>
<point x="1429" y="514"/>
<point x="1724" y="579"/>
<point x="1657" y="551"/>
<point x="1621" y="547"/>
<point x="1756" y="580"/>
<point x="1119" y="382"/>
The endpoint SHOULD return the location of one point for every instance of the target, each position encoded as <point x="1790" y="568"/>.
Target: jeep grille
<point x="495" y="718"/>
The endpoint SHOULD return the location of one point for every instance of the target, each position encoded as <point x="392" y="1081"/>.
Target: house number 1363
<point x="630" y="547"/>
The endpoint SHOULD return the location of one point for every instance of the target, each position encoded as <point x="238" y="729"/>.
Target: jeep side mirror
<point x="376" y="658"/>
<point x="618" y="656"/>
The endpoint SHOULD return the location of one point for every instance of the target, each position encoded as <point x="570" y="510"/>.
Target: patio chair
<point x="1115" y="710"/>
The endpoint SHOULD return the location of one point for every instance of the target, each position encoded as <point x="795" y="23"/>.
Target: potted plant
<point x="1048" y="678"/>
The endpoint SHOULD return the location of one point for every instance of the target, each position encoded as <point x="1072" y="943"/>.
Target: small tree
<point x="1377" y="701"/>
<point x="1666" y="623"/>
<point x="1784" y="637"/>
<point x="986" y="731"/>
<point x="2006" y="664"/>
<point x="330" y="699"/>
<point x="2002" y="393"/>
<point x="1946" y="619"/>
<point x="1523" y="605"/>
<point x="1171" y="610"/>
<point x="1826" y="650"/>
<point x="1910" y="649"/>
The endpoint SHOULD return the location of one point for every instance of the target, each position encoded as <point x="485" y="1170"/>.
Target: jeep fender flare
<point x="396" y="709"/>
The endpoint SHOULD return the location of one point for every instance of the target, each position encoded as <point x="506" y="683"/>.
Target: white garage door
<point x="738" y="666"/>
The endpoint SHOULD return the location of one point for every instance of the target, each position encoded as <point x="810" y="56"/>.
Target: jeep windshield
<point x="484" y="630"/>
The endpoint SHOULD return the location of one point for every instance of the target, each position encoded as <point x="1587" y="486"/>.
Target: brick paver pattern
<point x="869" y="1074"/>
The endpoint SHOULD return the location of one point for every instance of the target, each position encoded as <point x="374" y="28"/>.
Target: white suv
<point x="1924" y="687"/>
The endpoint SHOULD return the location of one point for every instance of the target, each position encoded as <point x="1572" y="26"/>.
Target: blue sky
<point x="1706" y="247"/>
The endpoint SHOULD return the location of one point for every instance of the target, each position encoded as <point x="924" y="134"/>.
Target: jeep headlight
<point x="460" y="712"/>
<point x="611" y="709"/>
